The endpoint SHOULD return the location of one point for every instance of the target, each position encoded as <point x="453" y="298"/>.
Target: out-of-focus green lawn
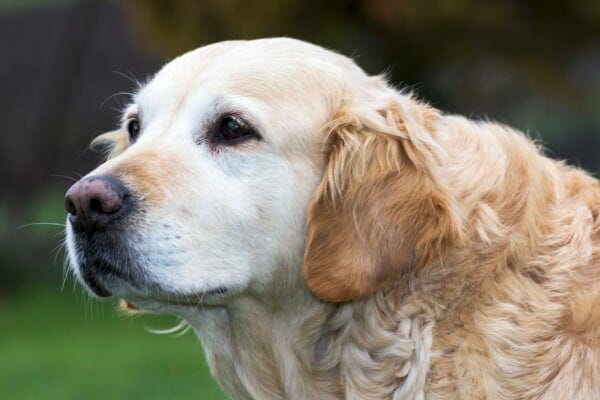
<point x="62" y="345"/>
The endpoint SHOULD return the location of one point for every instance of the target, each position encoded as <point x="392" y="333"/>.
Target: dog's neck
<point x="294" y="346"/>
<point x="303" y="348"/>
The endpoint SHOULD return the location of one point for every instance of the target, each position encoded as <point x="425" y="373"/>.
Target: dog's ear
<point x="111" y="143"/>
<point x="380" y="209"/>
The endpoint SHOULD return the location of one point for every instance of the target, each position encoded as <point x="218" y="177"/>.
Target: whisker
<point x="131" y="78"/>
<point x="59" y="246"/>
<point x="63" y="232"/>
<point x="122" y="93"/>
<point x="42" y="224"/>
<point x="117" y="110"/>
<point x="57" y="249"/>
<point x="63" y="176"/>
<point x="66" y="272"/>
<point x="80" y="156"/>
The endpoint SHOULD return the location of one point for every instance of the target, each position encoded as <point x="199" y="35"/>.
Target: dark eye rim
<point x="218" y="136"/>
<point x="133" y="128"/>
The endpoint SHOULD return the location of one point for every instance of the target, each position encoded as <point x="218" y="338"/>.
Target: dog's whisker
<point x="56" y="250"/>
<point x="41" y="224"/>
<point x="59" y="233"/>
<point x="122" y="93"/>
<point x="130" y="77"/>
<point x="198" y="298"/>
<point x="180" y="329"/>
<point x="117" y="110"/>
<point x="66" y="272"/>
<point x="63" y="176"/>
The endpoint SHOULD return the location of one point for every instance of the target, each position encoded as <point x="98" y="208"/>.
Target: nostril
<point x="96" y="205"/>
<point x="70" y="206"/>
<point x="94" y="202"/>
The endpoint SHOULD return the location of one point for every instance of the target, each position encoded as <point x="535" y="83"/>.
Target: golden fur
<point x="448" y="258"/>
<point x="467" y="222"/>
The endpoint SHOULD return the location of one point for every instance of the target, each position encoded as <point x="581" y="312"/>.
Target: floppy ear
<point x="380" y="209"/>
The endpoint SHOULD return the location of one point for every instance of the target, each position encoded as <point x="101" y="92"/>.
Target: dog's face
<point x="219" y="156"/>
<point x="226" y="155"/>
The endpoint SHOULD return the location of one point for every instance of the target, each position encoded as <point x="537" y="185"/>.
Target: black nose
<point x="94" y="202"/>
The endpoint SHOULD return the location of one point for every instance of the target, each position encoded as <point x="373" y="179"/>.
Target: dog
<point x="328" y="236"/>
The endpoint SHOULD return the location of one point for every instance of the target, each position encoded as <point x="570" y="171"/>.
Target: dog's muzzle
<point x="97" y="208"/>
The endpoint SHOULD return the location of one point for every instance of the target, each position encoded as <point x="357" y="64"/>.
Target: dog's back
<point x="528" y="326"/>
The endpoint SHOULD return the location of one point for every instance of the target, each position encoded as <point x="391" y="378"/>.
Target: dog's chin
<point x="97" y="290"/>
<point x="218" y="296"/>
<point x="103" y="280"/>
<point x="154" y="299"/>
<point x="127" y="280"/>
<point x="93" y="284"/>
<point x="183" y="306"/>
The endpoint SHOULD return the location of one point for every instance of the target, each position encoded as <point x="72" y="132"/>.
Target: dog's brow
<point x="131" y="110"/>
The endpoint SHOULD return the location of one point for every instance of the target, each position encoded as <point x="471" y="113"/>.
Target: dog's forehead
<point x="268" y="69"/>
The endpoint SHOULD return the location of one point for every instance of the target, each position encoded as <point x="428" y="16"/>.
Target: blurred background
<point x="65" y="65"/>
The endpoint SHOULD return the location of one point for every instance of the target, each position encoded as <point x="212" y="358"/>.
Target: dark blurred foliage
<point x="508" y="60"/>
<point x="532" y="64"/>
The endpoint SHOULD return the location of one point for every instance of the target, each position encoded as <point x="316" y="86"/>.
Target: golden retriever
<point x="328" y="236"/>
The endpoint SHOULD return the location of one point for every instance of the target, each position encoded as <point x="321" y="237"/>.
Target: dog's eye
<point x="232" y="129"/>
<point x="133" y="127"/>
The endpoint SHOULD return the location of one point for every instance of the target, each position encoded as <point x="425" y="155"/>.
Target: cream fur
<point x="383" y="250"/>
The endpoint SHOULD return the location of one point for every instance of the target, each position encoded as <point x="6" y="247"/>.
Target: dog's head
<point x="247" y="167"/>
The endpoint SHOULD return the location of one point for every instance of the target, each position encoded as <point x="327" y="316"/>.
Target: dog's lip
<point x="101" y="292"/>
<point x="217" y="291"/>
<point x="95" y="287"/>
<point x="99" y="276"/>
<point x="197" y="299"/>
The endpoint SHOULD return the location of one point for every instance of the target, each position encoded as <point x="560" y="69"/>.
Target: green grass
<point x="59" y="345"/>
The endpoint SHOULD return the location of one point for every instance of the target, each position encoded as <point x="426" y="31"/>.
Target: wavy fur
<point x="444" y="258"/>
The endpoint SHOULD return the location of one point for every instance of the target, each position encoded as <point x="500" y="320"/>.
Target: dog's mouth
<point x="96" y="275"/>
<point x="208" y="298"/>
<point x="107" y="266"/>
<point x="101" y="276"/>
<point x="92" y="282"/>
